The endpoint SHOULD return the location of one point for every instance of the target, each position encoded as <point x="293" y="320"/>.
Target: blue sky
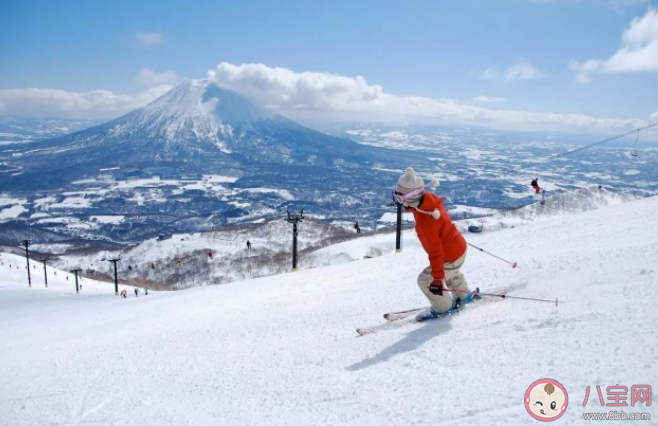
<point x="524" y="55"/>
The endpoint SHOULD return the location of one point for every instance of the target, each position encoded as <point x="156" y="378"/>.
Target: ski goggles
<point x="401" y="198"/>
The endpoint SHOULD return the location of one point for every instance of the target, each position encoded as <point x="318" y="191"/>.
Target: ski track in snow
<point x="281" y="350"/>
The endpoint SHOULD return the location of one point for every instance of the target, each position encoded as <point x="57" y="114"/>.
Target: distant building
<point x="192" y="177"/>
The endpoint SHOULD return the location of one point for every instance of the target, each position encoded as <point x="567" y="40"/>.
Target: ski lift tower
<point x="76" y="272"/>
<point x="116" y="281"/>
<point x="27" y="244"/>
<point x="294" y="219"/>
<point x="45" y="261"/>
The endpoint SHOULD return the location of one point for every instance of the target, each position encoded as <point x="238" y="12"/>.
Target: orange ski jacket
<point x="438" y="236"/>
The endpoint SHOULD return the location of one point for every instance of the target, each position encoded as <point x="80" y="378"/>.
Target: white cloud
<point x="488" y="99"/>
<point x="583" y="69"/>
<point x="324" y="96"/>
<point x="36" y="102"/>
<point x="147" y="39"/>
<point x="313" y="96"/>
<point x="489" y="74"/>
<point x="149" y="78"/>
<point x="654" y="117"/>
<point x="523" y="70"/>
<point x="638" y="51"/>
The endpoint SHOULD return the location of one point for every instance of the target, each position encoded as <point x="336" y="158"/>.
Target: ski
<point x="402" y="318"/>
<point x="395" y="316"/>
<point x="409" y="319"/>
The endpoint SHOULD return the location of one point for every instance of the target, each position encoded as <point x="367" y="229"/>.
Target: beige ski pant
<point x="454" y="280"/>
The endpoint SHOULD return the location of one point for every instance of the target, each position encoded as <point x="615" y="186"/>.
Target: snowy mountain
<point x="198" y="157"/>
<point x="282" y="350"/>
<point x="202" y="156"/>
<point x="197" y="127"/>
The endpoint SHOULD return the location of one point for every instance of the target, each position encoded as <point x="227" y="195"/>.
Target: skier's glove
<point x="437" y="286"/>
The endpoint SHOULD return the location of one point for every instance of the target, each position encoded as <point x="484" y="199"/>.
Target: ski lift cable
<point x="634" y="153"/>
<point x="582" y="148"/>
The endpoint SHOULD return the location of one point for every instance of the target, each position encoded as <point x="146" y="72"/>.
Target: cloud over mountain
<point x="321" y="95"/>
<point x="37" y="102"/>
<point x="149" y="78"/>
<point x="317" y="96"/>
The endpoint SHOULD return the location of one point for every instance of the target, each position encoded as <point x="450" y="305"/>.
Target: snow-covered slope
<point x="13" y="277"/>
<point x="156" y="261"/>
<point x="282" y="350"/>
<point x="559" y="204"/>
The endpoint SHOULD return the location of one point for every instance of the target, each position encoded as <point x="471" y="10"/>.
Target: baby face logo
<point x="546" y="400"/>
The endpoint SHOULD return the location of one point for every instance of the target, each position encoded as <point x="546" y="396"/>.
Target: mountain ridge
<point x="196" y="127"/>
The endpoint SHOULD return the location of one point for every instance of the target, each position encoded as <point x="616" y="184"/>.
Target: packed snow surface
<point x="282" y="350"/>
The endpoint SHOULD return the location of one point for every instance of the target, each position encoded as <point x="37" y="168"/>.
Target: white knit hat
<point x="413" y="185"/>
<point x="409" y="181"/>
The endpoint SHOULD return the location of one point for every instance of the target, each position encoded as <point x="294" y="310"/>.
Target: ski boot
<point x="472" y="295"/>
<point x="428" y="314"/>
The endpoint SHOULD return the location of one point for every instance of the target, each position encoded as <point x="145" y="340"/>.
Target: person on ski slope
<point x="535" y="185"/>
<point x="445" y="246"/>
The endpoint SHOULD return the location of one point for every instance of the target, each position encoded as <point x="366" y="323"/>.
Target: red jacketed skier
<point x="444" y="244"/>
<point x="535" y="185"/>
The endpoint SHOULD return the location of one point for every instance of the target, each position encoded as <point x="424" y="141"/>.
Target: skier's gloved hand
<point x="437" y="286"/>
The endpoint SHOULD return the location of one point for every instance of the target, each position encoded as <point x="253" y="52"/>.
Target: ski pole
<point x="492" y="255"/>
<point x="505" y="296"/>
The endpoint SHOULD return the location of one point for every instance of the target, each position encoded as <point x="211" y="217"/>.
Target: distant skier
<point x="445" y="246"/>
<point x="210" y="254"/>
<point x="123" y="293"/>
<point x="130" y="268"/>
<point x="535" y="185"/>
<point x="146" y="291"/>
<point x="357" y="227"/>
<point x="600" y="187"/>
<point x="248" y="245"/>
<point x="136" y="292"/>
<point x="152" y="265"/>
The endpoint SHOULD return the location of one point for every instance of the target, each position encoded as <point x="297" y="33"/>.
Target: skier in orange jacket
<point x="444" y="244"/>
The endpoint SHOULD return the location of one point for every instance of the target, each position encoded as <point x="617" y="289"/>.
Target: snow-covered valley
<point x="282" y="350"/>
